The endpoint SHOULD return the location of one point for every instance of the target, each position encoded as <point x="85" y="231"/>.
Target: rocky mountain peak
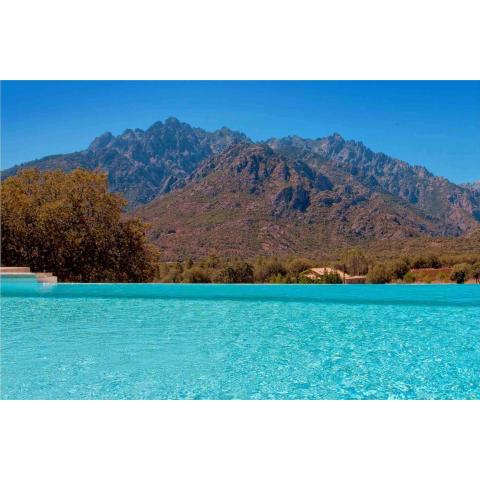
<point x="336" y="137"/>
<point x="290" y="193"/>
<point x="475" y="186"/>
<point x="101" y="142"/>
<point x="172" y="121"/>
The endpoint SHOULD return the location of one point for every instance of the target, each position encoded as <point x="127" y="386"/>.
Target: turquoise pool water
<point x="240" y="341"/>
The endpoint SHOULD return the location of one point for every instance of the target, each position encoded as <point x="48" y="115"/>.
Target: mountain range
<point x="472" y="185"/>
<point x="203" y="192"/>
<point x="142" y="164"/>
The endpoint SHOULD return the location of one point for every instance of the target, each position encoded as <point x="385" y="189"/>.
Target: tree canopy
<point x="71" y="225"/>
<point x="354" y="261"/>
<point x="460" y="272"/>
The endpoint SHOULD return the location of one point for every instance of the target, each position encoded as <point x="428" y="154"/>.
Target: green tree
<point x="380" y="273"/>
<point x="429" y="260"/>
<point x="196" y="275"/>
<point x="71" y="225"/>
<point x="354" y="261"/>
<point x="266" y="269"/>
<point x="331" y="278"/>
<point x="295" y="266"/>
<point x="399" y="268"/>
<point x="237" y="272"/>
<point x="171" y="273"/>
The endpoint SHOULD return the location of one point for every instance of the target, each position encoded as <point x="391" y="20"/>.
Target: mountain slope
<point x="455" y="208"/>
<point x="218" y="191"/>
<point x="252" y="200"/>
<point x="142" y="164"/>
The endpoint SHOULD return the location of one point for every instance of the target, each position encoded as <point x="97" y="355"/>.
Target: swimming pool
<point x="132" y="341"/>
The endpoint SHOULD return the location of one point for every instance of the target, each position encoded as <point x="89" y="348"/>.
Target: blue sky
<point x="435" y="124"/>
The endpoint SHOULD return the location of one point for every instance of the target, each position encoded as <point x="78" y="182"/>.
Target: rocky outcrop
<point x="142" y="164"/>
<point x="257" y="199"/>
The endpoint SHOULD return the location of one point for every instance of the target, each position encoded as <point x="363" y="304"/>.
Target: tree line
<point x="214" y="269"/>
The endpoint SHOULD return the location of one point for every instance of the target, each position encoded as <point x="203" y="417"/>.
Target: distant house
<point x="317" y="272"/>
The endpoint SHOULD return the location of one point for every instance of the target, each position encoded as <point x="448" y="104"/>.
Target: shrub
<point x="212" y="261"/>
<point x="399" y="268"/>
<point x="409" y="277"/>
<point x="267" y="269"/>
<point x="426" y="261"/>
<point x="302" y="279"/>
<point x="243" y="272"/>
<point x="330" y="278"/>
<point x="460" y="272"/>
<point x="238" y="272"/>
<point x="380" y="273"/>
<point x="278" y="278"/>
<point x="443" y="277"/>
<point x="450" y="260"/>
<point x="196" y="275"/>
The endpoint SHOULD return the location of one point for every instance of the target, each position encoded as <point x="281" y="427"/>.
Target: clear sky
<point x="435" y="124"/>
